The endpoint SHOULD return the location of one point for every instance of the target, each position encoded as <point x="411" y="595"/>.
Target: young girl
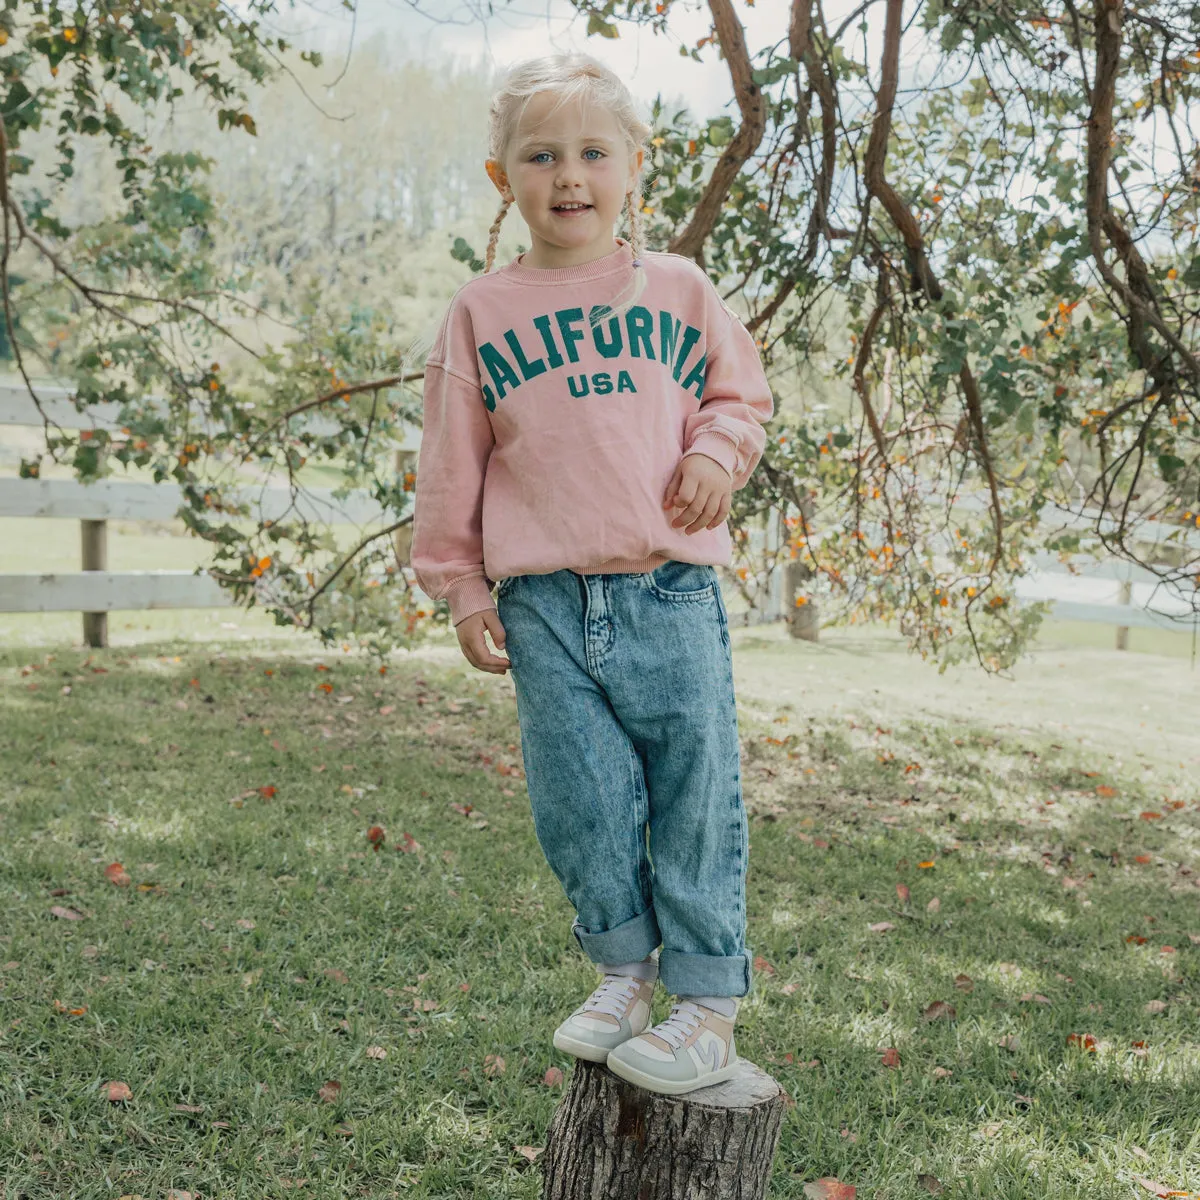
<point x="588" y="410"/>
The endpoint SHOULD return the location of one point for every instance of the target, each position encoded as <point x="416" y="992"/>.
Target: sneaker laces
<point x="612" y="996"/>
<point x="684" y="1019"/>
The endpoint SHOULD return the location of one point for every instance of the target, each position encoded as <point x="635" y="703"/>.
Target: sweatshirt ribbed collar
<point x="620" y="258"/>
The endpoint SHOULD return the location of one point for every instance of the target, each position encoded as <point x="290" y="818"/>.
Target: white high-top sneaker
<point x="616" y="1011"/>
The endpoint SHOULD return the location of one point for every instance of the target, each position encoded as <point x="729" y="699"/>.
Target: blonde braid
<point x="637" y="228"/>
<point x="494" y="233"/>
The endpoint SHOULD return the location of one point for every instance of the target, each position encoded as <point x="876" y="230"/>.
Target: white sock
<point x="725" y="1005"/>
<point x="647" y="968"/>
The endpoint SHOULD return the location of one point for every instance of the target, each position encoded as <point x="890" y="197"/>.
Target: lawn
<point x="296" y="1013"/>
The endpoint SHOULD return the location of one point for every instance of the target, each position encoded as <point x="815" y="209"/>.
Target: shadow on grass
<point x="264" y="947"/>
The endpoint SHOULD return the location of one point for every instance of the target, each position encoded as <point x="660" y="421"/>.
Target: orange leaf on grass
<point x="553" y="1077"/>
<point x="410" y="844"/>
<point x="116" y="1090"/>
<point x="375" y="836"/>
<point x="1151" y="816"/>
<point x="1083" y="1041"/>
<point x="926" y="865"/>
<point x="891" y="1057"/>
<point x="829" y="1189"/>
<point x="902" y="892"/>
<point x="268" y="791"/>
<point x="1102" y="789"/>
<point x="115" y="873"/>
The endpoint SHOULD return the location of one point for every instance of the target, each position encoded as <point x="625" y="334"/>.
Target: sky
<point x="649" y="63"/>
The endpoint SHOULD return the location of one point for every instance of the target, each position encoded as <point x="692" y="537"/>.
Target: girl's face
<point x="568" y="169"/>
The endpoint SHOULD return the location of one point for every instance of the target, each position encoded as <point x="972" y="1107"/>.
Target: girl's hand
<point x="701" y="487"/>
<point x="473" y="644"/>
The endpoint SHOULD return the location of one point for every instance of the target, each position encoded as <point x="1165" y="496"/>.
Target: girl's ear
<point x="498" y="177"/>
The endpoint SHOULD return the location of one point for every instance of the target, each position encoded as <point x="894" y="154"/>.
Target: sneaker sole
<point x="569" y="1045"/>
<point x="671" y="1087"/>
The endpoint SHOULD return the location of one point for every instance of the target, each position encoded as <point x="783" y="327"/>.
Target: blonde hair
<point x="570" y="76"/>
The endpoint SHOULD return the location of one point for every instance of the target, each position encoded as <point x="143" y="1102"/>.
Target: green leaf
<point x="1170" y="466"/>
<point x="597" y="24"/>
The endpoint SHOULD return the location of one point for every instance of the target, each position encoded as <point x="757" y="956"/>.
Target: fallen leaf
<point x="65" y="914"/>
<point x="329" y="1091"/>
<point x="376" y="1052"/>
<point x="881" y="927"/>
<point x="1010" y="1042"/>
<point x="939" y="1009"/>
<point x="1151" y="816"/>
<point x="934" y="905"/>
<point x="891" y="1057"/>
<point x="493" y="1064"/>
<point x="964" y="983"/>
<point x="375" y="836"/>
<point x="116" y="1090"/>
<point x="1156" y="1189"/>
<point x="529" y="1152"/>
<point x="941" y="1073"/>
<point x="1156" y="1006"/>
<point x="991" y="1129"/>
<point x="553" y="1077"/>
<point x="1035" y="996"/>
<point x="336" y="974"/>
<point x="191" y="1108"/>
<point x="903" y="892"/>
<point x="1084" y="1041"/>
<point x="387" y="710"/>
<point x="245" y="923"/>
<point x="761" y="964"/>
<point x="931" y="1183"/>
<point x="829" y="1189"/>
<point x="115" y="873"/>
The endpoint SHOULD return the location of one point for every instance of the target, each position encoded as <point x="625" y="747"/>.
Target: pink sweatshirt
<point x="549" y="445"/>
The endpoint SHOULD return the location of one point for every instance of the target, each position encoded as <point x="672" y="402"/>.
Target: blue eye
<point x="594" y="151"/>
<point x="539" y="155"/>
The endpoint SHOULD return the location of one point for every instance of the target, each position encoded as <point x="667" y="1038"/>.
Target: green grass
<point x="860" y="763"/>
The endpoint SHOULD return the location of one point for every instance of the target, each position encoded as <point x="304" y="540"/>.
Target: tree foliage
<point x="1006" y="241"/>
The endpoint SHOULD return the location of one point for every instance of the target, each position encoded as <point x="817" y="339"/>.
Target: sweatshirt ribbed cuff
<point x="467" y="596"/>
<point x="718" y="446"/>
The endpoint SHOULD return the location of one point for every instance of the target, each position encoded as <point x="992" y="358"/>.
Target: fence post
<point x="1124" y="596"/>
<point x="94" y="539"/>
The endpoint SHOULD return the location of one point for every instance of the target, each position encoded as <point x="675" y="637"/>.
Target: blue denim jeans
<point x="625" y="700"/>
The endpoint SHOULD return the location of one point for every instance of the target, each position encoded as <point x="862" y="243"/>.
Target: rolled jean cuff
<point x="704" y="974"/>
<point x="631" y="941"/>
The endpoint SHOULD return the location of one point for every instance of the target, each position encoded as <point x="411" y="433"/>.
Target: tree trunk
<point x="611" y="1140"/>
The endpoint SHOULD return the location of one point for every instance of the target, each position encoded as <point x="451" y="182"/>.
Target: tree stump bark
<point x="611" y="1140"/>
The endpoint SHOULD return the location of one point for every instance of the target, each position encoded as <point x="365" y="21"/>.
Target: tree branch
<point x="732" y="38"/>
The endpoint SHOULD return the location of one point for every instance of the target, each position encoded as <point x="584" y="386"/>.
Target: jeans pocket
<point x="503" y="586"/>
<point x="682" y="581"/>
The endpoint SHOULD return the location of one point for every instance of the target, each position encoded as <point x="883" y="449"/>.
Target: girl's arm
<point x="456" y="443"/>
<point x="736" y="402"/>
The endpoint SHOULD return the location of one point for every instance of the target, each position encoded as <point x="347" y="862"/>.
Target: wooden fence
<point x="1111" y="592"/>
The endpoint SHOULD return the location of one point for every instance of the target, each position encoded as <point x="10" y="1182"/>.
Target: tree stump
<point x="611" y="1140"/>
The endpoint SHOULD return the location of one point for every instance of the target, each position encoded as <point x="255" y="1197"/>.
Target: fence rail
<point x="1075" y="587"/>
